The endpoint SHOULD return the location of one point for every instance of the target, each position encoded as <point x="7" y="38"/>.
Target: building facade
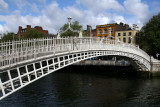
<point x="108" y="30"/>
<point x="90" y="32"/>
<point x="21" y="31"/>
<point x="127" y="36"/>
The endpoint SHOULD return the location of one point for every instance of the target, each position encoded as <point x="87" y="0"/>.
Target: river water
<point x="72" y="88"/>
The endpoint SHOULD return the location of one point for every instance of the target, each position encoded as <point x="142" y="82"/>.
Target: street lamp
<point x="69" y="21"/>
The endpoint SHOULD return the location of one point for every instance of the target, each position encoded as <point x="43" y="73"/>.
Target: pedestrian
<point x="75" y="42"/>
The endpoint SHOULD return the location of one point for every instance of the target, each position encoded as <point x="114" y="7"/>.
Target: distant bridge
<point x="25" y="61"/>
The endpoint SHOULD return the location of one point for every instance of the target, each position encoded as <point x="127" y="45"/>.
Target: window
<point x="105" y="31"/>
<point x="130" y="33"/>
<point x="110" y="30"/>
<point x="100" y="31"/>
<point x="124" y="34"/>
<point x="124" y="40"/>
<point x="119" y="34"/>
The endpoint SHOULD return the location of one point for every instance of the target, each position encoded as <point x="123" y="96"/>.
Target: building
<point x="108" y="30"/>
<point x="22" y="31"/>
<point x="90" y="32"/>
<point x="135" y="27"/>
<point x="127" y="36"/>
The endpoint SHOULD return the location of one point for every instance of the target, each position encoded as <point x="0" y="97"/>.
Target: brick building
<point x="22" y="31"/>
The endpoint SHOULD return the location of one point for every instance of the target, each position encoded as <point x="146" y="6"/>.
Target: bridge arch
<point x="18" y="77"/>
<point x="24" y="64"/>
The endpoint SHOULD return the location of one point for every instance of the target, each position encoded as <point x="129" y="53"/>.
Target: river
<point x="84" y="88"/>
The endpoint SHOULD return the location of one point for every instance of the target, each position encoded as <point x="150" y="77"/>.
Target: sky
<point x="52" y="14"/>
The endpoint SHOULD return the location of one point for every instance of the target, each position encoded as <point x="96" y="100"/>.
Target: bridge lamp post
<point x="69" y="21"/>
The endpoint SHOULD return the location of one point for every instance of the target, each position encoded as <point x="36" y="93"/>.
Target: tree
<point x="75" y="26"/>
<point x="9" y="37"/>
<point x="33" y="33"/>
<point x="149" y="36"/>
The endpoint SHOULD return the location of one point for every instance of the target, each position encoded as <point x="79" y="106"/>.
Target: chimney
<point x="89" y="28"/>
<point x="20" y="27"/>
<point x="121" y="23"/>
<point x="28" y="26"/>
<point x="126" y="26"/>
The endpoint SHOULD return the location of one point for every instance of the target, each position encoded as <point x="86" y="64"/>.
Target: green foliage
<point x="33" y="33"/>
<point x="75" y="26"/>
<point x="9" y="36"/>
<point x="85" y="33"/>
<point x="149" y="36"/>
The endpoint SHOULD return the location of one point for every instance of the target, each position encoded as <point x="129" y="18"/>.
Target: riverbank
<point x="112" y="71"/>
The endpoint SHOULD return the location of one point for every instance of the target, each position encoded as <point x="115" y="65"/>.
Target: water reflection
<point x="70" y="89"/>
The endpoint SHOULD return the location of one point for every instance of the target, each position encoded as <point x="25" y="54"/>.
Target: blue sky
<point x="52" y="14"/>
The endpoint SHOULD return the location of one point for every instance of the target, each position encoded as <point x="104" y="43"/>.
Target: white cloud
<point x="34" y="8"/>
<point x="20" y="3"/>
<point x="101" y="5"/>
<point x="42" y="1"/>
<point x="53" y="17"/>
<point x="137" y="8"/>
<point x="3" y="6"/>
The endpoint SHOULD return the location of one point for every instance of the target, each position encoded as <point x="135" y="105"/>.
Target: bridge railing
<point x="12" y="52"/>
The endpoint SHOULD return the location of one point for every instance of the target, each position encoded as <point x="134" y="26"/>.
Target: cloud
<point x="101" y="5"/>
<point x="52" y="17"/>
<point x="138" y="9"/>
<point x="3" y="6"/>
<point x="42" y="1"/>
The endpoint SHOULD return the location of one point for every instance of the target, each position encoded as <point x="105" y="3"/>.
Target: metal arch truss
<point x="24" y="62"/>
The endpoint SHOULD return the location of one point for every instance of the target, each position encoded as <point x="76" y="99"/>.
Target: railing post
<point x="34" y="48"/>
<point x="9" y="53"/>
<point x="21" y="55"/>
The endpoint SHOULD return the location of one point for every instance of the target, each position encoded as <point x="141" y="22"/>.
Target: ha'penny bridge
<point x="23" y="62"/>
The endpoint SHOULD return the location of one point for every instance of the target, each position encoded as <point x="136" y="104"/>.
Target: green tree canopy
<point x="149" y="36"/>
<point x="75" y="26"/>
<point x="9" y="36"/>
<point x="33" y="33"/>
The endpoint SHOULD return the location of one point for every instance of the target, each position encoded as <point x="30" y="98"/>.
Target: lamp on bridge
<point x="69" y="21"/>
<point x="69" y="28"/>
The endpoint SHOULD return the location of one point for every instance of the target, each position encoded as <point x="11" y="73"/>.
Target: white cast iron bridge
<point x="23" y="62"/>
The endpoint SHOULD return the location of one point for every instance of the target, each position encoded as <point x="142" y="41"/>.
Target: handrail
<point x="16" y="51"/>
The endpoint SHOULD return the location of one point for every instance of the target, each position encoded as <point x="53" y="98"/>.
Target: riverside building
<point x="108" y="31"/>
